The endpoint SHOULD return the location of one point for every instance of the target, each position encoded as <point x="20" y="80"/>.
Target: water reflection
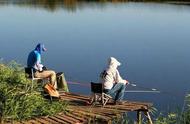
<point x="69" y="5"/>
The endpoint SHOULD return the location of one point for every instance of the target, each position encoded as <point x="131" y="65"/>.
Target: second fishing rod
<point x="149" y="90"/>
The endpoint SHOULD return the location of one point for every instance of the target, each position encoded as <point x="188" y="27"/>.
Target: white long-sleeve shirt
<point x="112" y="75"/>
<point x="111" y="78"/>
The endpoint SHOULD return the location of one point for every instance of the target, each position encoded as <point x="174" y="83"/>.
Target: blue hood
<point x="40" y="47"/>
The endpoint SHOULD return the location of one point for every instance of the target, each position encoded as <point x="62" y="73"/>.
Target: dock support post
<point x="148" y="117"/>
<point x="139" y="117"/>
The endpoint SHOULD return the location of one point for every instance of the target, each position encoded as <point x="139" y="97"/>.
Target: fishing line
<point x="128" y="91"/>
<point x="134" y="85"/>
<point x="149" y="90"/>
<point x="141" y="91"/>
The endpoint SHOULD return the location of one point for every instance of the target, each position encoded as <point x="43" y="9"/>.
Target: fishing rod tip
<point x="134" y="85"/>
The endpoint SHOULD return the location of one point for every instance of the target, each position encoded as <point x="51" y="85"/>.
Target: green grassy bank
<point x="18" y="101"/>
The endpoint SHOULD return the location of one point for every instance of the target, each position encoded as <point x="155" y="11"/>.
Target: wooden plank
<point x="140" y="103"/>
<point x="99" y="114"/>
<point x="26" y="122"/>
<point x="82" y="116"/>
<point x="112" y="110"/>
<point x="106" y="111"/>
<point x="123" y="108"/>
<point x="86" y="118"/>
<point x="73" y="118"/>
<point x="58" y="121"/>
<point x="100" y="111"/>
<point x="14" y="122"/>
<point x="76" y="117"/>
<point x="67" y="119"/>
<point x="32" y="122"/>
<point x="93" y="115"/>
<point x="42" y="121"/>
<point x="50" y="120"/>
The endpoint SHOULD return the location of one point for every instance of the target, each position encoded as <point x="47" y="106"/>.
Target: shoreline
<point x="178" y="2"/>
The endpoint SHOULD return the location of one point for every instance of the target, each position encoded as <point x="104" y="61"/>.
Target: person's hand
<point x="127" y="82"/>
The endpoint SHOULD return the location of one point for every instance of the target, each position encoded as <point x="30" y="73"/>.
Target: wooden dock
<point x="78" y="112"/>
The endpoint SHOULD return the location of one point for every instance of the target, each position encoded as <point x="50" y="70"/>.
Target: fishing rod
<point x="134" y="85"/>
<point x="153" y="90"/>
<point x="141" y="91"/>
<point x="150" y="90"/>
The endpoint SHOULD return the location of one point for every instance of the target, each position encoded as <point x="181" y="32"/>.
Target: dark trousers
<point x="117" y="91"/>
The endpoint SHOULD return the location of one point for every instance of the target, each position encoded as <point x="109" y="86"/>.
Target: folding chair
<point x="98" y="95"/>
<point x="30" y="74"/>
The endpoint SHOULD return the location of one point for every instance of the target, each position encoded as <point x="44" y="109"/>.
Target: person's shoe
<point x="88" y="103"/>
<point x="111" y="101"/>
<point x="119" y="102"/>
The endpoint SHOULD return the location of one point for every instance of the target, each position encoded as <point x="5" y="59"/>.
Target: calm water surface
<point x="151" y="40"/>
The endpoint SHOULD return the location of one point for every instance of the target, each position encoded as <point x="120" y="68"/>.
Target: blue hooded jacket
<point x="35" y="55"/>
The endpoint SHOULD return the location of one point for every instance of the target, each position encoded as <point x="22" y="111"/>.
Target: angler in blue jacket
<point x="34" y="61"/>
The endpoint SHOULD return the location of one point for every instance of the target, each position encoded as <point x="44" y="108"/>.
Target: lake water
<point x="151" y="40"/>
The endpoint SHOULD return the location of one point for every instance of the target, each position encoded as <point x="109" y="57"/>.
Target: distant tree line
<point x="72" y="5"/>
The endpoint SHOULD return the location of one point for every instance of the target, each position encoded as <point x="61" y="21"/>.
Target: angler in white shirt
<point x="114" y="84"/>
